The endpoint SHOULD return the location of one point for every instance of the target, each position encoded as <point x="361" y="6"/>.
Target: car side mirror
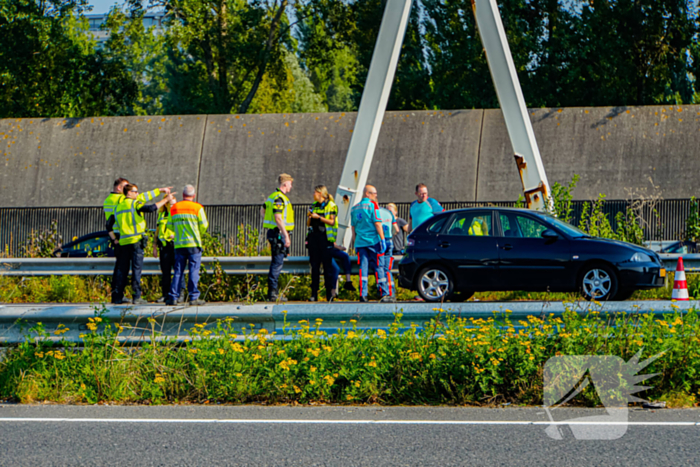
<point x="549" y="234"/>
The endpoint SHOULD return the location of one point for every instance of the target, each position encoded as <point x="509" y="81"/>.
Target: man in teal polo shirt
<point x="423" y="208"/>
<point x="368" y="238"/>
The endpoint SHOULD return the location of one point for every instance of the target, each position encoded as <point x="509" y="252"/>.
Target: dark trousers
<point x="116" y="268"/>
<point x="277" y="253"/>
<point x="129" y="257"/>
<point x="320" y="252"/>
<point x="166" y="253"/>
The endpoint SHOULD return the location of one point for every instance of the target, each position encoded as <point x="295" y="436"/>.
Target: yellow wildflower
<point x="159" y="379"/>
<point x="314" y="352"/>
<point x="329" y="380"/>
<point x="381" y="333"/>
<point x="296" y="389"/>
<point x="92" y="326"/>
<point x="239" y="375"/>
<point x="256" y="357"/>
<point x="351" y="335"/>
<point x="373" y="364"/>
<point x="312" y="369"/>
<point x="222" y="351"/>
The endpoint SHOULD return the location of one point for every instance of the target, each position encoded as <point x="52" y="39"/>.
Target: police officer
<point x="323" y="230"/>
<point x="109" y="205"/>
<point x="368" y="238"/>
<point x="279" y="222"/>
<point x="128" y="217"/>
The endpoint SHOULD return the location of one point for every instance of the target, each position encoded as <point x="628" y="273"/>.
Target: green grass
<point x="450" y="361"/>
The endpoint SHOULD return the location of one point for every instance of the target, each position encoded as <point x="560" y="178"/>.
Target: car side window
<point x="473" y="224"/>
<point x="509" y="225"/>
<point x="437" y="226"/>
<point x="529" y="227"/>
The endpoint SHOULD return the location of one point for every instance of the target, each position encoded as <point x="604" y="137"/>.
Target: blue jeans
<point x="277" y="254"/>
<point x="388" y="261"/>
<point x="368" y="257"/>
<point x="182" y="258"/>
<point x="343" y="258"/>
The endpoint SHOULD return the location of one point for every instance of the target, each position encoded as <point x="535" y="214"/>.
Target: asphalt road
<point x="335" y="436"/>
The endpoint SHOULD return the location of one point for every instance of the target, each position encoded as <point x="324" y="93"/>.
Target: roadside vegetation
<point x="447" y="361"/>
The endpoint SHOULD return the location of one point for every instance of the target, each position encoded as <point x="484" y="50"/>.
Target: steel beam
<point x="510" y="96"/>
<point x="371" y="112"/>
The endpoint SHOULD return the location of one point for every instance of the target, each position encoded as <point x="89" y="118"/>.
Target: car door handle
<point x="507" y="246"/>
<point x="444" y="244"/>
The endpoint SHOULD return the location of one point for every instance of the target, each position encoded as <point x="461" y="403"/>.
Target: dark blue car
<point x="457" y="253"/>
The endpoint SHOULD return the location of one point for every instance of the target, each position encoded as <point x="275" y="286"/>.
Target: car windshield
<point x="566" y="227"/>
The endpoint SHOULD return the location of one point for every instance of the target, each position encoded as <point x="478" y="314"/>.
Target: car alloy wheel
<point x="598" y="283"/>
<point x="434" y="284"/>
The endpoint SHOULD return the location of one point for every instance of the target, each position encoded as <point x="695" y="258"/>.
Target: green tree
<point x="143" y="54"/>
<point x="49" y="67"/>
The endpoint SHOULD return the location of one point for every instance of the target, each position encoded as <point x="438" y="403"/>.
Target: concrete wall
<point x="461" y="155"/>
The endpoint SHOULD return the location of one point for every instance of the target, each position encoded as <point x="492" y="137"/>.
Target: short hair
<point x="284" y="178"/>
<point x="189" y="191"/>
<point x="392" y="205"/>
<point x="421" y="185"/>
<point x="119" y="181"/>
<point x="128" y="187"/>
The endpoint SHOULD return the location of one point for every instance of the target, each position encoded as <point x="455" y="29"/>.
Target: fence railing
<point x="241" y="225"/>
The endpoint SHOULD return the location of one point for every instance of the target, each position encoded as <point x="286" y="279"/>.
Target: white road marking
<point x="334" y="422"/>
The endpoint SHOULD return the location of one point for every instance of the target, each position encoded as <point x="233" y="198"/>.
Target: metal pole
<point x="510" y="96"/>
<point x="371" y="112"/>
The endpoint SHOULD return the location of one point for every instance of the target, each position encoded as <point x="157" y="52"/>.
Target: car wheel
<point x="435" y="284"/>
<point x="462" y="296"/>
<point x="624" y="294"/>
<point x="598" y="282"/>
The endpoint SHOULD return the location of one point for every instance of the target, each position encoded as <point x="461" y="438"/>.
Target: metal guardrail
<point x="173" y="322"/>
<point x="237" y="265"/>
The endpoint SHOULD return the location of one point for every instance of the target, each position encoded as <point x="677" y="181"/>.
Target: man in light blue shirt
<point x="390" y="228"/>
<point x="368" y="238"/>
<point x="423" y="208"/>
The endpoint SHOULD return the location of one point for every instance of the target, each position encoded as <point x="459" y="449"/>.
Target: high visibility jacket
<point x="131" y="223"/>
<point x="278" y="200"/>
<point x="189" y="222"/>
<point x="476" y="228"/>
<point x="110" y="203"/>
<point x="164" y="230"/>
<point x="326" y="210"/>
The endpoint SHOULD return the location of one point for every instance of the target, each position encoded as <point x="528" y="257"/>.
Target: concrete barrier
<point x="462" y="155"/>
<point x="73" y="162"/>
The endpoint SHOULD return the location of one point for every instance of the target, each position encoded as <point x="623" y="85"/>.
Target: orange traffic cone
<point x="680" y="286"/>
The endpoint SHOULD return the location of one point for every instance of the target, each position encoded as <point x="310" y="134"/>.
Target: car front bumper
<point x="642" y="275"/>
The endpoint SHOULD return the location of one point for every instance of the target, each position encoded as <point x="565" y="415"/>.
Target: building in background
<point x="153" y="20"/>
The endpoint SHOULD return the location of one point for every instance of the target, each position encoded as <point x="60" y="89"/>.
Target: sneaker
<point x="169" y="301"/>
<point x="349" y="287"/>
<point x="181" y="299"/>
<point x="332" y="297"/>
<point x="140" y="301"/>
<point x="160" y="300"/>
<point x="363" y="300"/>
<point x="313" y="299"/>
<point x="198" y="302"/>
<point x="388" y="299"/>
<point x="272" y="296"/>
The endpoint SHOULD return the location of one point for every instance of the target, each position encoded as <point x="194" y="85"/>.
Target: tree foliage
<point x="49" y="67"/>
<point x="237" y="56"/>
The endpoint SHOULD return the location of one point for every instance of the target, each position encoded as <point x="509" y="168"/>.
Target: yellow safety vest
<point x="476" y="229"/>
<point x="132" y="224"/>
<point x="112" y="201"/>
<point x="327" y="211"/>
<point x="287" y="213"/>
<point x="165" y="233"/>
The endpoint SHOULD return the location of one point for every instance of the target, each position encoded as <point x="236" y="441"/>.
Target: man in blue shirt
<point x="368" y="239"/>
<point x="423" y="208"/>
<point x="390" y="228"/>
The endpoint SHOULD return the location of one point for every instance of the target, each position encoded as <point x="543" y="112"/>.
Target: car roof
<point x="500" y="208"/>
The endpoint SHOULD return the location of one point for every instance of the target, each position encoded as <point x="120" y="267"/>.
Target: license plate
<point x="662" y="273"/>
